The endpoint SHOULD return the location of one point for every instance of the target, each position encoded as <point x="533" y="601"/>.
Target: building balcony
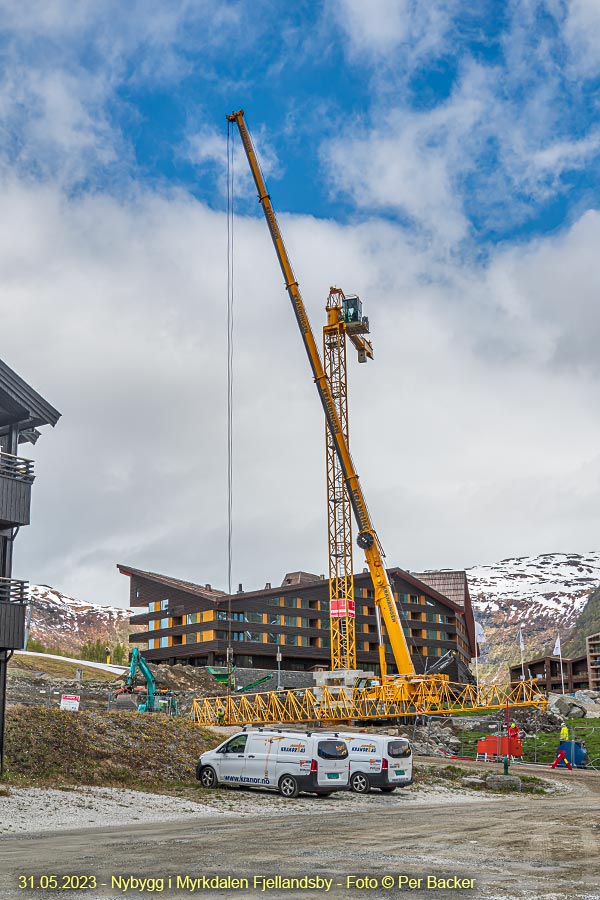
<point x="16" y="478"/>
<point x="13" y="599"/>
<point x="13" y="591"/>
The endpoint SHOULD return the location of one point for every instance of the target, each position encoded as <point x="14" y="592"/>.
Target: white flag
<point x="556" y="651"/>
<point x="479" y="633"/>
<point x="521" y="641"/>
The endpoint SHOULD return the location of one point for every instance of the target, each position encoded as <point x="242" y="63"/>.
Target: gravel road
<point x="524" y="847"/>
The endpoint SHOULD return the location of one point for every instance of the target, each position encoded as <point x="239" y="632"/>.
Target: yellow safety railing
<point x="406" y="697"/>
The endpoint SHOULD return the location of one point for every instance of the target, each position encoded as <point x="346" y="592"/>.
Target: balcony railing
<point x="13" y="591"/>
<point x="16" y="467"/>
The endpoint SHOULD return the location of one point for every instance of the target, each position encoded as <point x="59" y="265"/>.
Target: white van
<point x="378" y="760"/>
<point x="284" y="761"/>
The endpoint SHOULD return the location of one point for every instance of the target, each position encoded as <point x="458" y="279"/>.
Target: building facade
<point x="191" y="623"/>
<point x="547" y="673"/>
<point x="593" y="661"/>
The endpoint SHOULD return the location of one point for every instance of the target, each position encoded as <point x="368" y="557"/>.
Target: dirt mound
<point x="187" y="679"/>
<point x="54" y="746"/>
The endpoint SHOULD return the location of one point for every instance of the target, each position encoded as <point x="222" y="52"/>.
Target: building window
<point x="290" y="602"/>
<point x="324" y="605"/>
<point x="304" y="603"/>
<point x="222" y="615"/>
<point x="304" y="623"/>
<point x="164" y="604"/>
<point x="291" y="640"/>
<point x="255" y="636"/>
<point x="290" y="621"/>
<point x="164" y="623"/>
<point x="151" y="644"/>
<point x="152" y="607"/>
<point x="273" y="601"/>
<point x="432" y="635"/>
<point x="238" y="635"/>
<point x="192" y="618"/>
<point x="272" y="638"/>
<point x="254" y="617"/>
<point x="164" y="642"/>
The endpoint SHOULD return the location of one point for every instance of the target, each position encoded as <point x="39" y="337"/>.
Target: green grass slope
<point x="56" y="747"/>
<point x="587" y="623"/>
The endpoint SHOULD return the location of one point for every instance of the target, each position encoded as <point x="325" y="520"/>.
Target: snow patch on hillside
<point x="528" y="588"/>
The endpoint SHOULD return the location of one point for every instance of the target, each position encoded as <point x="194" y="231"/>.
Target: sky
<point x="440" y="159"/>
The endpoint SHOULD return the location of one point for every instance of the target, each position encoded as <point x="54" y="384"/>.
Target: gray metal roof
<point x="19" y="402"/>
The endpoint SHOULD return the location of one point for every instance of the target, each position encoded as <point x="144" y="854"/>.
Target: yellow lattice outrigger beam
<point x="406" y="697"/>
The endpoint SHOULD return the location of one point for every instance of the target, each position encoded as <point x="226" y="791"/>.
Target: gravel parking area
<point x="41" y="810"/>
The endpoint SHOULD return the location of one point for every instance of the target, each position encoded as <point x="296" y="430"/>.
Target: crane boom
<point x="367" y="538"/>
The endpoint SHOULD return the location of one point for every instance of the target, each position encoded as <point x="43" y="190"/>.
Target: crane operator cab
<point x="356" y="323"/>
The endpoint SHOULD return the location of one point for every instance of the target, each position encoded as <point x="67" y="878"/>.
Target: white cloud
<point x="115" y="311"/>
<point x="582" y="34"/>
<point x="380" y="27"/>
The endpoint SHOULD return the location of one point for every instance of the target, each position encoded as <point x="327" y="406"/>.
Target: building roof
<point x="20" y="403"/>
<point x="455" y="586"/>
<point x="200" y="590"/>
<point x="451" y="584"/>
<point x="299" y="578"/>
<point x="552" y="658"/>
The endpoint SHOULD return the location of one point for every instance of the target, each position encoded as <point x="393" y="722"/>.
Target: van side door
<point x="232" y="759"/>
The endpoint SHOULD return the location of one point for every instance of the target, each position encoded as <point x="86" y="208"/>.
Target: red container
<point x="497" y="747"/>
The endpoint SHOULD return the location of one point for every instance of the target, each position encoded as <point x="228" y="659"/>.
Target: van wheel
<point x="288" y="787"/>
<point x="360" y="783"/>
<point x="208" y="777"/>
<point x="388" y="789"/>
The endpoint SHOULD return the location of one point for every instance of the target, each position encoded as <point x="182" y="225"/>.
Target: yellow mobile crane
<point x="367" y="539"/>
<point x="391" y="695"/>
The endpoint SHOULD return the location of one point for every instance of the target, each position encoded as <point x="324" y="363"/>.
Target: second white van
<point x="378" y="760"/>
<point x="273" y="759"/>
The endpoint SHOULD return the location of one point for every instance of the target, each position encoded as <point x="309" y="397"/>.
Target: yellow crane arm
<point x="367" y="538"/>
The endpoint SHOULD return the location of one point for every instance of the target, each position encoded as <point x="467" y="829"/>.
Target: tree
<point x="119" y="654"/>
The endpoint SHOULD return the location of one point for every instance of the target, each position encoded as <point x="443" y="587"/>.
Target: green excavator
<point x="152" y="698"/>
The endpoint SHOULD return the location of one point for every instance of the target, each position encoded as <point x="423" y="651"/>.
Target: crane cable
<point x="230" y="299"/>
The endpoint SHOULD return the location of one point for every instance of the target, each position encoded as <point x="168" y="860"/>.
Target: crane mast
<point x="339" y="513"/>
<point x="367" y="539"/>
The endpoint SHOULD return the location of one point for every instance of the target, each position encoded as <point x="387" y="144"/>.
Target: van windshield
<point x="332" y="750"/>
<point x="398" y="749"/>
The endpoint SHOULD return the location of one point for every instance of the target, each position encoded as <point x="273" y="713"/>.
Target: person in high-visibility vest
<point x="564" y="732"/>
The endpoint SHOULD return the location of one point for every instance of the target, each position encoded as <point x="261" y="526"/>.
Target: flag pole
<point x="562" y="674"/>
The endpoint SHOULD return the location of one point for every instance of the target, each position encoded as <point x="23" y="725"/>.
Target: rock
<point x="472" y="781"/>
<point x="497" y="782"/>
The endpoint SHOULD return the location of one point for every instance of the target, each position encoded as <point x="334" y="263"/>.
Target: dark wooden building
<point x="546" y="671"/>
<point x="192" y="623"/>
<point x="22" y="412"/>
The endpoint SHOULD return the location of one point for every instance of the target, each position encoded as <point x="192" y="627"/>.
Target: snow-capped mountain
<point x="65" y="622"/>
<point x="544" y="595"/>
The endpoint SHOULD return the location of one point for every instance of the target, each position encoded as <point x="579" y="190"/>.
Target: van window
<point x="398" y="749"/>
<point x="236" y="744"/>
<point x="332" y="750"/>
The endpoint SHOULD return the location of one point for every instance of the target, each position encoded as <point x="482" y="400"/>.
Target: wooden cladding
<point x="15" y="499"/>
<point x="12" y="625"/>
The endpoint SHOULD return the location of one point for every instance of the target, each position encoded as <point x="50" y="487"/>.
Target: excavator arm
<point x="367" y="539"/>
